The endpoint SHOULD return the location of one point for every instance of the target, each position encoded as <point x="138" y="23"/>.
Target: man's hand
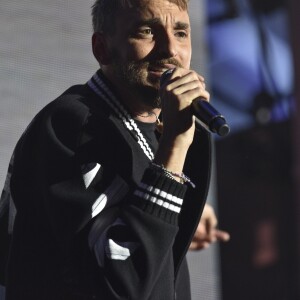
<point x="177" y="92"/>
<point x="206" y="232"/>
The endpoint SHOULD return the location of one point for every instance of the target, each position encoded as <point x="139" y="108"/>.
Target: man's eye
<point x="181" y="34"/>
<point x="146" y="31"/>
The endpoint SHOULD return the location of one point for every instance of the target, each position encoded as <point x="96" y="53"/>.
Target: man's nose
<point x="167" y="45"/>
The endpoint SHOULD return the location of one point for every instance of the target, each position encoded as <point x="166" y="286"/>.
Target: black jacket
<point x="94" y="221"/>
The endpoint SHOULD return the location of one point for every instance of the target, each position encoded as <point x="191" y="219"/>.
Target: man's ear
<point x="100" y="48"/>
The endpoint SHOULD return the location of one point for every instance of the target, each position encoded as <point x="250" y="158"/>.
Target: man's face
<point x="147" y="41"/>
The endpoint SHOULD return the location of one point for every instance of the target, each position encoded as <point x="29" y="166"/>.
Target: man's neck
<point x="135" y="105"/>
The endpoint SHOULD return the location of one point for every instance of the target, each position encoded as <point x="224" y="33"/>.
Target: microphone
<point x="205" y="113"/>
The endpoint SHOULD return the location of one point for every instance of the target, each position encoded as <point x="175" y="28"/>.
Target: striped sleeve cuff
<point x="160" y="195"/>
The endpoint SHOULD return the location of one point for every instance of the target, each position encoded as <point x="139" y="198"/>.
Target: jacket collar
<point x="102" y="88"/>
<point x="123" y="137"/>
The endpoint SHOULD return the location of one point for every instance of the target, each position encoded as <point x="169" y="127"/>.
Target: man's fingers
<point x="182" y="81"/>
<point x="206" y="233"/>
<point x="221" y="235"/>
<point x="200" y="233"/>
<point x="215" y="235"/>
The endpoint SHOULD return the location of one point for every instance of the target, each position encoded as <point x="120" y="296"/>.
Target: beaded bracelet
<point x="170" y="174"/>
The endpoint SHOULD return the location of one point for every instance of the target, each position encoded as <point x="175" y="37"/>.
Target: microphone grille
<point x="165" y="75"/>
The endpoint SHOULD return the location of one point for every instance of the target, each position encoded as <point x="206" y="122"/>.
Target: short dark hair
<point x="104" y="12"/>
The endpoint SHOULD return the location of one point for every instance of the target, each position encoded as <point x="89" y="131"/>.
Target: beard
<point x="134" y="75"/>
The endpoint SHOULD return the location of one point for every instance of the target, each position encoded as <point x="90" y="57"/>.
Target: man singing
<point x="108" y="199"/>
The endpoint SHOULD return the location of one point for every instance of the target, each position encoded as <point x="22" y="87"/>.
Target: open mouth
<point x="158" y="70"/>
<point x="161" y="68"/>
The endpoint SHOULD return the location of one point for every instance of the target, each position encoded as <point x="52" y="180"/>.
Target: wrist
<point x="172" y="158"/>
<point x="180" y="177"/>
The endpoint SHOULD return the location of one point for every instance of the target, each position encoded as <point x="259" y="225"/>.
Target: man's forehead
<point x="182" y="4"/>
<point x="152" y="9"/>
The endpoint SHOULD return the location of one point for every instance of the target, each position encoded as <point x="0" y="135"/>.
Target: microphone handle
<point x="209" y="117"/>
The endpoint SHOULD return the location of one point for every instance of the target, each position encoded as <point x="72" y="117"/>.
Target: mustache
<point x="162" y="62"/>
<point x="158" y="63"/>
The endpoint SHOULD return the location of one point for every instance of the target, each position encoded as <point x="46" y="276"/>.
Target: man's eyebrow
<point x="182" y="25"/>
<point x="149" y="22"/>
<point x="157" y="21"/>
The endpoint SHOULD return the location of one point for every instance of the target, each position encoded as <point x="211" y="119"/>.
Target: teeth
<point x="159" y="70"/>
